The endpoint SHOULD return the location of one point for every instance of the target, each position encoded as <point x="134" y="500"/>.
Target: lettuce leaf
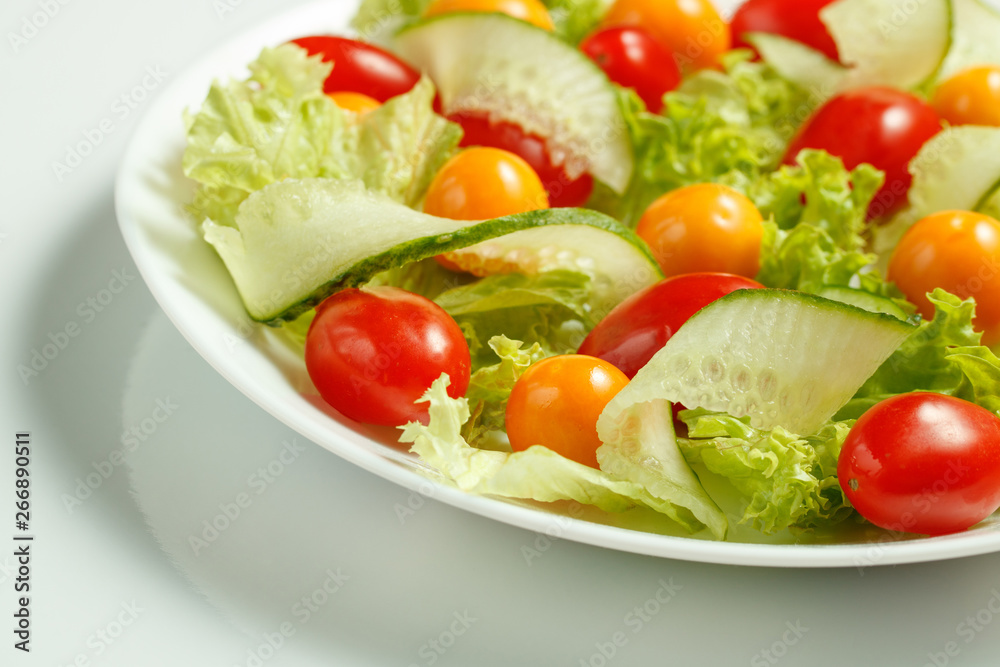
<point x="276" y="124"/>
<point x="815" y="234"/>
<point x="425" y="277"/>
<point x="575" y="19"/>
<point x="819" y="191"/>
<point x="398" y="148"/>
<point x="537" y="473"/>
<point x="279" y="124"/>
<point x="490" y="387"/>
<point x="806" y="258"/>
<point x="549" y="308"/>
<point x="786" y="481"/>
<point x="729" y="127"/>
<point x="981" y="375"/>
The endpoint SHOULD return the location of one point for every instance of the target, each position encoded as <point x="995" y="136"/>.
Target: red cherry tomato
<point x="923" y="463"/>
<point x="562" y="191"/>
<point x="360" y="68"/>
<point x="881" y="126"/>
<point x="556" y="403"/>
<point x="372" y="352"/>
<point x="794" y="19"/>
<point x="632" y="58"/>
<point x="640" y="325"/>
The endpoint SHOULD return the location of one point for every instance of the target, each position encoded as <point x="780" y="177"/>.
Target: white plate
<point x="194" y="289"/>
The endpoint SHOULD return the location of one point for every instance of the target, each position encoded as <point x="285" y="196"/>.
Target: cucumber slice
<point x="958" y="169"/>
<point x="861" y="299"/>
<point x="974" y="37"/>
<point x="516" y="72"/>
<point x="298" y="241"/>
<point x="779" y="357"/>
<point x="640" y="445"/>
<point x="890" y="43"/>
<point x="800" y="64"/>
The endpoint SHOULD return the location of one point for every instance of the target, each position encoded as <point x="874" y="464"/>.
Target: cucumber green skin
<point x="989" y="203"/>
<point x="861" y="299"/>
<point x="429" y="246"/>
<point x="927" y="85"/>
<point x="832" y="306"/>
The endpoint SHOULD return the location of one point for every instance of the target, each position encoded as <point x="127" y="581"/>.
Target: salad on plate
<point x="735" y="273"/>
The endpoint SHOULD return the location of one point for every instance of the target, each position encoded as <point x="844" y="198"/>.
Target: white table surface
<point x="112" y="580"/>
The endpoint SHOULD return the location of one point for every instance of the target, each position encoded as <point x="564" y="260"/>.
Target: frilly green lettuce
<point x="729" y="127"/>
<point x="550" y="308"/>
<point x="816" y="213"/>
<point x="575" y="19"/>
<point x="279" y="124"/>
<point x="490" y="387"/>
<point x="247" y="134"/>
<point x="943" y="355"/>
<point x="537" y="473"/>
<point x="981" y="375"/>
<point x="785" y="480"/>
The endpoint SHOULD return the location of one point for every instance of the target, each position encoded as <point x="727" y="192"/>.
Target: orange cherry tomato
<point x="556" y="403"/>
<point x="532" y="11"/>
<point x="704" y="227"/>
<point x="692" y="30"/>
<point x="971" y="97"/>
<point x="958" y="251"/>
<point x="482" y="183"/>
<point x="356" y="102"/>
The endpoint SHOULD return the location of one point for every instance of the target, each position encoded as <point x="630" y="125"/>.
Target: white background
<point x="404" y="578"/>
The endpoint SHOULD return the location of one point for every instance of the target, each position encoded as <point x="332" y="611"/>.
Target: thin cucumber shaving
<point x="298" y="241"/>
<point x="513" y="71"/>
<point x="886" y="43"/>
<point x="779" y="358"/>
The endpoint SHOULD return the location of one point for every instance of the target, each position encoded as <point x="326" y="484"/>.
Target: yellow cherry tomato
<point x="356" y="102"/>
<point x="971" y="97"/>
<point x="482" y="183"/>
<point x="556" y="403"/>
<point x="704" y="227"/>
<point x="958" y="251"/>
<point x="532" y="11"/>
<point x="692" y="30"/>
